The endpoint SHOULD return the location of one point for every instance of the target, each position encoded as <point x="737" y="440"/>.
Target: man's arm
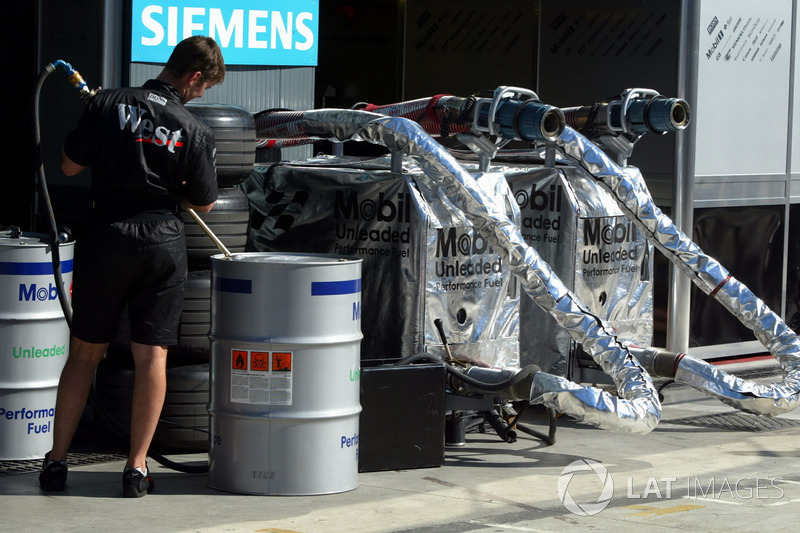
<point x="70" y="167"/>
<point x="199" y="208"/>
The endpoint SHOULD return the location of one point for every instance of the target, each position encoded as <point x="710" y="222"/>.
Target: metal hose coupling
<point x="74" y="77"/>
<point x="529" y="121"/>
<point x="517" y="114"/>
<point x="657" y="361"/>
<point x="506" y="383"/>
<point x="636" y="112"/>
<point x="644" y="110"/>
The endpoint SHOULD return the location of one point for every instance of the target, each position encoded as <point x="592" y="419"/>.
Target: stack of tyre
<point x="184" y="419"/>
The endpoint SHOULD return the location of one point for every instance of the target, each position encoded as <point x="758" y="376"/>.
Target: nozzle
<point x="639" y="111"/>
<point x="657" y="361"/>
<point x="658" y="114"/>
<point x="530" y="120"/>
<point x="517" y="114"/>
<point x="77" y="81"/>
<point x="513" y="384"/>
<point x="74" y="77"/>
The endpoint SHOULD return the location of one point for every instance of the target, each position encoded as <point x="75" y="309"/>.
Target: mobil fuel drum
<point x="34" y="341"/>
<point x="285" y="373"/>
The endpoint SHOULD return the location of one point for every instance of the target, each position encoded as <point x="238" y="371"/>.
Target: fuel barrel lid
<point x="14" y="236"/>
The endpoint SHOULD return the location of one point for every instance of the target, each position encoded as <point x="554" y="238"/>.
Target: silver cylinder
<point x="34" y="342"/>
<point x="285" y="373"/>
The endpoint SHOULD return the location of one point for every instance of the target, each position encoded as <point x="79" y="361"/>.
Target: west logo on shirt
<point x="135" y="118"/>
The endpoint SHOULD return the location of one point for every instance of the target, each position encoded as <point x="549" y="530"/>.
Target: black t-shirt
<point x="146" y="150"/>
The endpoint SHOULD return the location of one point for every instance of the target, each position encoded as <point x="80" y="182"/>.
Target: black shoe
<point x="136" y="483"/>
<point x="53" y="475"/>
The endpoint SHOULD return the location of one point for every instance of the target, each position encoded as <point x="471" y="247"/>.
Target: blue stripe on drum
<point x="331" y="288"/>
<point x="240" y="286"/>
<point x="33" y="269"/>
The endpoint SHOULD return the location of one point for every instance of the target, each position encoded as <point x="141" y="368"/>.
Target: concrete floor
<point x="687" y="474"/>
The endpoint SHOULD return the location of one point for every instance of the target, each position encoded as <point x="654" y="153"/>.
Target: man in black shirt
<point x="149" y="156"/>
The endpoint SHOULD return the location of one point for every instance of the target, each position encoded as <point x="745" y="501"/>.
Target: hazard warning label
<point x="261" y="377"/>
<point x="239" y="360"/>
<point x="259" y="361"/>
<point x="282" y="361"/>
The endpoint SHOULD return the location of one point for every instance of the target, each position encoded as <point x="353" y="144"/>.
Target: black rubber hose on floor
<point x="122" y="432"/>
<point x="550" y="438"/>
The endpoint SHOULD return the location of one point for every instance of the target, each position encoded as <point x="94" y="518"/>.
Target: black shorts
<point x="141" y="265"/>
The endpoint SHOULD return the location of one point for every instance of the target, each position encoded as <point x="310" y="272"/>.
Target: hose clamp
<point x="627" y="96"/>
<point x="500" y="94"/>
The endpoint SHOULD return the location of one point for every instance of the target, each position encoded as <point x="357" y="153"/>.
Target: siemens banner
<point x="250" y="32"/>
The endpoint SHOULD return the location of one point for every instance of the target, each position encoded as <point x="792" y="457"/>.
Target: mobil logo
<point x="535" y="199"/>
<point x="37" y="293"/>
<point x="452" y="243"/>
<point x="37" y="283"/>
<point x="385" y="209"/>
<point x="608" y="231"/>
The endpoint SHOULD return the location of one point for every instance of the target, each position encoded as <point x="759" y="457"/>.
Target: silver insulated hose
<point x="636" y="408"/>
<point x="713" y="279"/>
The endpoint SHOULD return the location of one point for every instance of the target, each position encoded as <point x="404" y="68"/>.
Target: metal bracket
<point x="500" y="94"/>
<point x="482" y="146"/>
<point x="627" y="96"/>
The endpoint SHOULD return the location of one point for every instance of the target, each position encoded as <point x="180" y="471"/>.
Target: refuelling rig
<point x="543" y="331"/>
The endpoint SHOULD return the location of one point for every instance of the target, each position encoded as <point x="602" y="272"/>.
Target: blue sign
<point x="249" y="32"/>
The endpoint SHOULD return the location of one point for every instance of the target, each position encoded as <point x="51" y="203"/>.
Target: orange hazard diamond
<point x="239" y="359"/>
<point x="259" y="361"/>
<point x="281" y="361"/>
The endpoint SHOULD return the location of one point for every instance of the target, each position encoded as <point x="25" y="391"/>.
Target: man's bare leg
<point x="149" y="391"/>
<point x="73" y="391"/>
